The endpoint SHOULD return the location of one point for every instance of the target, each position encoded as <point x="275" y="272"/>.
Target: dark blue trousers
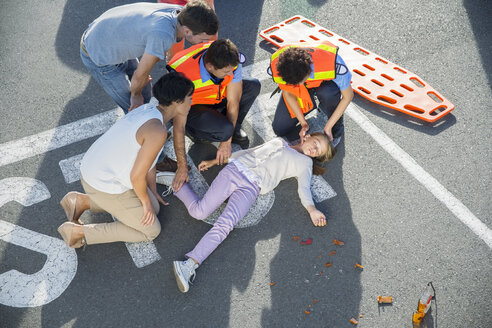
<point x="328" y="95"/>
<point x="210" y="122"/>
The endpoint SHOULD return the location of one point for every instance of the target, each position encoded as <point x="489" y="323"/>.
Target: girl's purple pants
<point x="242" y="193"/>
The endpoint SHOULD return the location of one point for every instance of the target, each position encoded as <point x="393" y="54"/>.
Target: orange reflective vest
<point x="187" y="62"/>
<point x="323" y="54"/>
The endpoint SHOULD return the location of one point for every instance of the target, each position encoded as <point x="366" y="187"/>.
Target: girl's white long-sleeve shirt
<point x="273" y="162"/>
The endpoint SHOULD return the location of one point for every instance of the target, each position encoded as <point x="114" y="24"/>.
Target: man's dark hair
<point x="222" y="53"/>
<point x="199" y="17"/>
<point x="172" y="87"/>
<point x="293" y="65"/>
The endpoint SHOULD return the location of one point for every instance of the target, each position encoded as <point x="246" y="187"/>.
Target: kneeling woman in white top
<point x="118" y="171"/>
<point x="251" y="172"/>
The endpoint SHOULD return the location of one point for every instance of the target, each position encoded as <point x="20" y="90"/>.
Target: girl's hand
<point x="205" y="165"/>
<point x="318" y="218"/>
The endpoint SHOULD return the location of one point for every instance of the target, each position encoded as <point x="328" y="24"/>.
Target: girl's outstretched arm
<point x="316" y="215"/>
<point x="205" y="165"/>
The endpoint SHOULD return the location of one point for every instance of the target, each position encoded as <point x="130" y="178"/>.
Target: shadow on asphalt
<point x="479" y="13"/>
<point x="243" y="29"/>
<point x="300" y="270"/>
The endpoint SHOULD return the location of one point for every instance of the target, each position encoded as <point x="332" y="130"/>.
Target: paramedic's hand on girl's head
<point x="318" y="218"/>
<point x="304" y="130"/>
<point x="327" y="131"/>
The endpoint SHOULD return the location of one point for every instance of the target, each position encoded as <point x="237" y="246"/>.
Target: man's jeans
<point x="115" y="80"/>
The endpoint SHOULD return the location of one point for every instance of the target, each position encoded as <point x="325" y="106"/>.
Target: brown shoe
<point x="168" y="165"/>
<point x="65" y="230"/>
<point x="68" y="203"/>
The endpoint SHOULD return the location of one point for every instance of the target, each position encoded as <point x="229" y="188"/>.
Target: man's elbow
<point x="348" y="94"/>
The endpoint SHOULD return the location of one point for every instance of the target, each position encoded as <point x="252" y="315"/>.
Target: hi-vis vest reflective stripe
<point x="187" y="62"/>
<point x="323" y="55"/>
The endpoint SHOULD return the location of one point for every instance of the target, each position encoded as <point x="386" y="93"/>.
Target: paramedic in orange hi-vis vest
<point x="303" y="71"/>
<point x="221" y="100"/>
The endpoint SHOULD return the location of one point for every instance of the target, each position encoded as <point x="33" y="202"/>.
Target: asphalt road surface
<point x="410" y="200"/>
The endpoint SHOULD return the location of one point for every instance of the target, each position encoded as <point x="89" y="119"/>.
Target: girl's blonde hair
<point x="323" y="158"/>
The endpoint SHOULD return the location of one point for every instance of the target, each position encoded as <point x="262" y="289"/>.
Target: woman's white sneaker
<point x="165" y="178"/>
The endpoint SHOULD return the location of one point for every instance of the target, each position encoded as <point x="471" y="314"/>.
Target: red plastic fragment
<point x="308" y="241"/>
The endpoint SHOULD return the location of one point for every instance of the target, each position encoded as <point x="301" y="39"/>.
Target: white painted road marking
<point x="70" y="168"/>
<point x="17" y="150"/>
<point x="16" y="288"/>
<point x="427" y="180"/>
<point x="143" y="253"/>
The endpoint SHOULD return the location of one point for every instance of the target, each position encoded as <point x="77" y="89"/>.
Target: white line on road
<point x="429" y="182"/>
<point x="18" y="289"/>
<point x="70" y="168"/>
<point x="142" y="253"/>
<point x="17" y="150"/>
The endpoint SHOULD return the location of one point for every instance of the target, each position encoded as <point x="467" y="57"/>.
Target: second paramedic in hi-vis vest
<point x="304" y="71"/>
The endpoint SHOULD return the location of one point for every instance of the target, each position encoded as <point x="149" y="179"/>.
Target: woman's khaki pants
<point x="127" y="209"/>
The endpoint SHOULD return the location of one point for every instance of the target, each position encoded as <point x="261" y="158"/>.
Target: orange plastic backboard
<point x="373" y="77"/>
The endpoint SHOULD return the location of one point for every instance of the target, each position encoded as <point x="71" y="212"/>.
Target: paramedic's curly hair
<point x="294" y="64"/>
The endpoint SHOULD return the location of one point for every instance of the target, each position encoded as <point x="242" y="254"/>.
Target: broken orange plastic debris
<point x="357" y="265"/>
<point x="332" y="253"/>
<point x="296" y="238"/>
<point x="355" y="322"/>
<point x="315" y="301"/>
<point x="373" y="77"/>
<point x="307" y="312"/>
<point x="273" y="283"/>
<point x="338" y="242"/>
<point x="328" y="264"/>
<point x="417" y="318"/>
<point x="385" y="299"/>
